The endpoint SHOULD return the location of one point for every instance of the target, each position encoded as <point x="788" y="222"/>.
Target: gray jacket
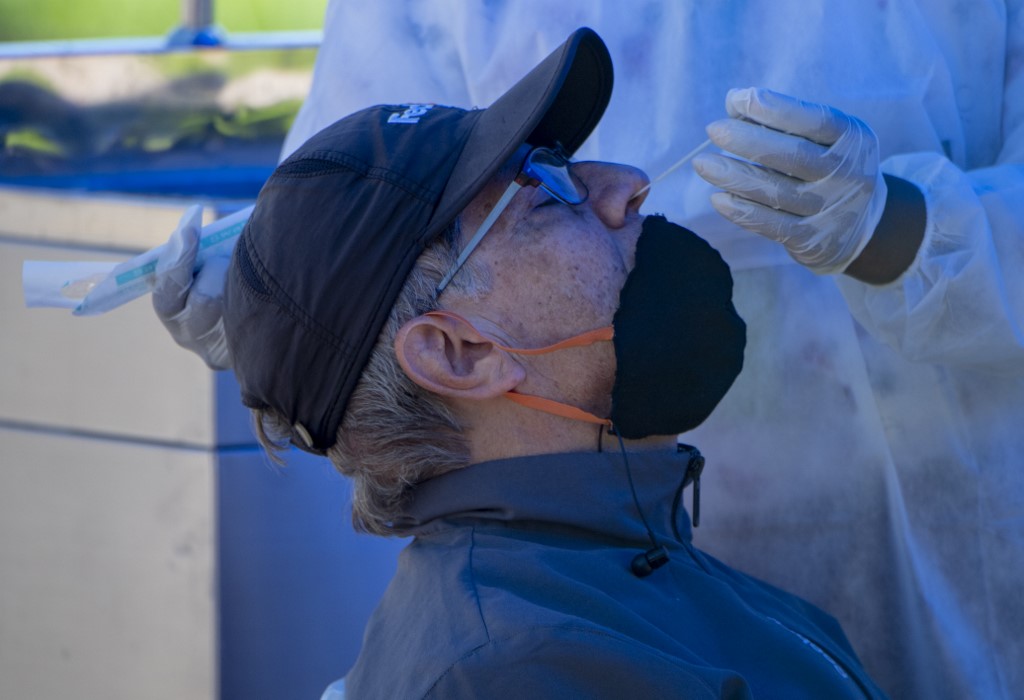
<point x="518" y="585"/>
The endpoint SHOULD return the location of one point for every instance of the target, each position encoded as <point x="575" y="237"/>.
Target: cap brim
<point x="559" y="103"/>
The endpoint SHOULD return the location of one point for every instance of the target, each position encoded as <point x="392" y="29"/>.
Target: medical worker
<point x="873" y="442"/>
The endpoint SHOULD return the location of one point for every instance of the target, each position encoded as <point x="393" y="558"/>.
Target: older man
<point x="472" y="328"/>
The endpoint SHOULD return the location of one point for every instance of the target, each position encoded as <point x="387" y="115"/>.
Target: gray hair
<point x="394" y="434"/>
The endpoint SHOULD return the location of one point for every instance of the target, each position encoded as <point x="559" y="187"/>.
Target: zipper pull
<point x="694" y="468"/>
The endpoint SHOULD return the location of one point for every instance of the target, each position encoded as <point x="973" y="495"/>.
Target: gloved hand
<point x="813" y="183"/>
<point x="189" y="301"/>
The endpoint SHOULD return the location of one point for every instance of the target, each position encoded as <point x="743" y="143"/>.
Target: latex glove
<point x="813" y="183"/>
<point x="189" y="301"/>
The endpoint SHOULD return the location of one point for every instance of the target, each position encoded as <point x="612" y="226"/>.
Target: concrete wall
<point x="147" y="547"/>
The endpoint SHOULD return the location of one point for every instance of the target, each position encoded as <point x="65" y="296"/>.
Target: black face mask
<point x="678" y="339"/>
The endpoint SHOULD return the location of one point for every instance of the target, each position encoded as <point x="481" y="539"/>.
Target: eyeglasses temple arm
<point x="480" y="232"/>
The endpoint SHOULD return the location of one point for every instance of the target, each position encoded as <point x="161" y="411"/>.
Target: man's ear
<point x="449" y="357"/>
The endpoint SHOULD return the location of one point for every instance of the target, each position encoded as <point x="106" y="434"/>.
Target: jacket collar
<point x="579" y="491"/>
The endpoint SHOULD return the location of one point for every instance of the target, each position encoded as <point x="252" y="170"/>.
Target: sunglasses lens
<point x="553" y="172"/>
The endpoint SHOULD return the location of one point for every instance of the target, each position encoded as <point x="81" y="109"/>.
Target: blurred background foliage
<point x="40" y="20"/>
<point x="203" y="122"/>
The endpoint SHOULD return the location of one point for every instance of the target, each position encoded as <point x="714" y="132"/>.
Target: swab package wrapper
<point x="91" y="288"/>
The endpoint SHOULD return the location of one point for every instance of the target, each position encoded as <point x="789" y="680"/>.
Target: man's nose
<point x="612" y="188"/>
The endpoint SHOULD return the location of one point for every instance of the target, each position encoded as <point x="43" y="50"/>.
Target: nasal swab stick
<point x="678" y="164"/>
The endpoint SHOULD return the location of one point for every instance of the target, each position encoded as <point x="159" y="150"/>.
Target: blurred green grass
<point x="39" y="20"/>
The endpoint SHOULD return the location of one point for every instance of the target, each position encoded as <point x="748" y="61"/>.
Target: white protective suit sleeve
<point x="961" y="301"/>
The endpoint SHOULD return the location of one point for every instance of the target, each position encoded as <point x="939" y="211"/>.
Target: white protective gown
<point x="869" y="457"/>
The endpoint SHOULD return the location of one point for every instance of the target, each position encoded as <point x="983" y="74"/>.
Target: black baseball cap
<point x="340" y="223"/>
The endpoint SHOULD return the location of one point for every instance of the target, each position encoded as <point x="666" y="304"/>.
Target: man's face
<point x="555" y="271"/>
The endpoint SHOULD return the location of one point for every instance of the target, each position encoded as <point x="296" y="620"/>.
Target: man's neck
<point x="503" y="429"/>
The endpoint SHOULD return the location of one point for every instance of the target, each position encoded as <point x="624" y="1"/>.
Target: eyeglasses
<point x="544" y="168"/>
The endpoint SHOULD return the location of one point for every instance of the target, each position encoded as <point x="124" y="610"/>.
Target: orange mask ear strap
<point x="555" y="408"/>
<point x="537" y="402"/>
<point x="583" y="339"/>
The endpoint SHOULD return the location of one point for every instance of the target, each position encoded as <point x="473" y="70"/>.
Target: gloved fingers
<point x="189" y="301"/>
<point x="196" y="323"/>
<point x="786" y="153"/>
<point x="174" y="267"/>
<point x="770" y="223"/>
<point x="214" y="344"/>
<point x="825" y="242"/>
<point x="760" y="184"/>
<point x="210" y="278"/>
<point x="811" y="180"/>
<point x="199" y="325"/>
<point x="817" y="122"/>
